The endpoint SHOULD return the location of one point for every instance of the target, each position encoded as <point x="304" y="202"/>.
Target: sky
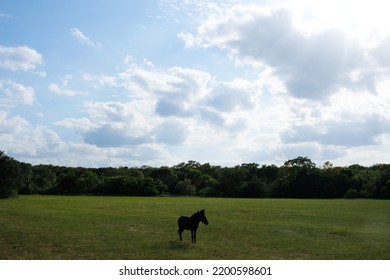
<point x="99" y="83"/>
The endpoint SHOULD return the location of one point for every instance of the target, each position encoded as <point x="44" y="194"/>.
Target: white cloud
<point x="111" y="136"/>
<point x="188" y="39"/>
<point x="132" y="115"/>
<point x="346" y="134"/>
<point x="12" y="94"/>
<point x="55" y="88"/>
<point x="347" y="119"/>
<point x="188" y="8"/>
<point x="63" y="89"/>
<point x="141" y="82"/>
<point x="310" y="66"/>
<point x="91" y="155"/>
<point x="148" y="63"/>
<point x="171" y="133"/>
<point x="366" y="21"/>
<point x="237" y="94"/>
<point x="42" y="145"/>
<point x="117" y="124"/>
<point x="99" y="81"/>
<point x="83" y="39"/>
<point x="22" y="138"/>
<point x="12" y="124"/>
<point x="19" y="58"/>
<point x="176" y="107"/>
<point x="80" y="125"/>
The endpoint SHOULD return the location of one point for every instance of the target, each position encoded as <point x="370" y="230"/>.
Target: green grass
<point x="88" y="227"/>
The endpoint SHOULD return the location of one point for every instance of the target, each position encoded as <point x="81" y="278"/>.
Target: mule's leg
<point x="180" y="232"/>
<point x="192" y="236"/>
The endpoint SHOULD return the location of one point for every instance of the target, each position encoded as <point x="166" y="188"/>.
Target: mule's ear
<point x="202" y="211"/>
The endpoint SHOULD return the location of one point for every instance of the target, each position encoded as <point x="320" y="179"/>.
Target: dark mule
<point x="192" y="223"/>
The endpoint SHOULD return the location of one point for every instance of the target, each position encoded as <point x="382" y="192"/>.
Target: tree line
<point x="296" y="178"/>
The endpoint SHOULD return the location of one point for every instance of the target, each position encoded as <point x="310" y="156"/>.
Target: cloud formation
<point x="83" y="39"/>
<point x="346" y="134"/>
<point x="19" y="58"/>
<point x="233" y="82"/>
<point x="13" y="94"/>
<point x="63" y="89"/>
<point x="22" y="138"/>
<point x="311" y="66"/>
<point x="108" y="136"/>
<point x="165" y="107"/>
<point x="180" y="107"/>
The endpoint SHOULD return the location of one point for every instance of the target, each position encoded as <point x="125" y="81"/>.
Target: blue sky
<point x="132" y="83"/>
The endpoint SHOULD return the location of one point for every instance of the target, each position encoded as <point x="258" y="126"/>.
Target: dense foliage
<point x="297" y="178"/>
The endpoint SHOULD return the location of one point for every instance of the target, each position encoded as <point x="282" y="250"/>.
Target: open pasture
<point x="91" y="227"/>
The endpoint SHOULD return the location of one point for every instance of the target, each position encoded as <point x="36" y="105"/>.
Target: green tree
<point x="66" y="182"/>
<point x="87" y="182"/>
<point x="230" y="181"/>
<point x="10" y="181"/>
<point x="335" y="181"/>
<point x="26" y="176"/>
<point x="185" y="187"/>
<point x="255" y="187"/>
<point x="383" y="184"/>
<point x="165" y="178"/>
<point x="369" y="180"/>
<point x="300" y="162"/>
<point x="297" y="178"/>
<point x="44" y="178"/>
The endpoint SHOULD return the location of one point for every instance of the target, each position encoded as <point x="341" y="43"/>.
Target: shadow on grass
<point x="179" y="245"/>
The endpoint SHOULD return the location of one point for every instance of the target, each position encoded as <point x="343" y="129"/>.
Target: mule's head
<point x="202" y="216"/>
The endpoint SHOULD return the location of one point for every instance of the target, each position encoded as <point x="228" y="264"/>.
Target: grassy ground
<point x="58" y="227"/>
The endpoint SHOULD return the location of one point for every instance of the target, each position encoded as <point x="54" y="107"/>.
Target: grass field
<point x="88" y="227"/>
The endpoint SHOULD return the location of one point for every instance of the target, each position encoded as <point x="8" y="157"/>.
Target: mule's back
<point x="185" y="222"/>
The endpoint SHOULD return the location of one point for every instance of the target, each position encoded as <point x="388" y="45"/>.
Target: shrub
<point x="352" y="193"/>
